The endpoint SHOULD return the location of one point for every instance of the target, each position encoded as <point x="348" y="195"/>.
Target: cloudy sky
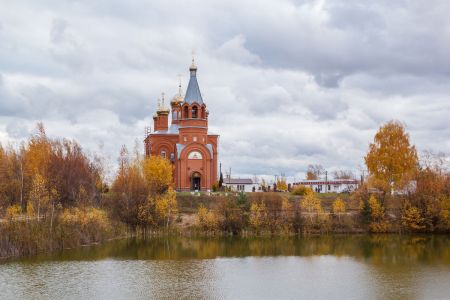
<point x="287" y="83"/>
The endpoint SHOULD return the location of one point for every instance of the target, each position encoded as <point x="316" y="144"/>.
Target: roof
<point x="237" y="181"/>
<point x="173" y="129"/>
<point x="321" y="181"/>
<point x="193" y="91"/>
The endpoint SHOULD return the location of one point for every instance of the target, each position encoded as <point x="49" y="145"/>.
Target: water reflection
<point x="376" y="249"/>
<point x="343" y="267"/>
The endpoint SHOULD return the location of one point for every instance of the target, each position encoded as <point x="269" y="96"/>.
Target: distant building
<point x="330" y="186"/>
<point x="240" y="184"/>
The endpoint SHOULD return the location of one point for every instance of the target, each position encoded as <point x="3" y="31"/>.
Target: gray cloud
<point x="287" y="83"/>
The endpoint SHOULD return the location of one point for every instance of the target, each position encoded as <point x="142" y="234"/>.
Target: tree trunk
<point x="51" y="220"/>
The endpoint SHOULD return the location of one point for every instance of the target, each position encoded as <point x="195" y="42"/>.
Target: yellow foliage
<point x="39" y="195"/>
<point x="258" y="215"/>
<point x="39" y="151"/>
<point x="166" y="206"/>
<point x="378" y="223"/>
<point x="158" y="173"/>
<point x="376" y="209"/>
<point x="390" y="156"/>
<point x="338" y="206"/>
<point x="92" y="217"/>
<point x="310" y="175"/>
<point x="13" y="211"/>
<point x="282" y="185"/>
<point x="206" y="219"/>
<point x="301" y="190"/>
<point x="30" y="209"/>
<point x="412" y="219"/>
<point x="311" y="203"/>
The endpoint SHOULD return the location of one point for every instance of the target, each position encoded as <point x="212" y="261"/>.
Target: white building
<point x="240" y="184"/>
<point x="330" y="186"/>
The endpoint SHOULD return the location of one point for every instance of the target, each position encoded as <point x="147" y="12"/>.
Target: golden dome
<point x="177" y="99"/>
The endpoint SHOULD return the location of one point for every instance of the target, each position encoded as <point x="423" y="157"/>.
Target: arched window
<point x="195" y="112"/>
<point x="203" y="113"/>
<point x="163" y="154"/>
<point x="186" y="112"/>
<point x="174" y="115"/>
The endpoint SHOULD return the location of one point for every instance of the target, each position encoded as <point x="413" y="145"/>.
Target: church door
<point x="196" y="181"/>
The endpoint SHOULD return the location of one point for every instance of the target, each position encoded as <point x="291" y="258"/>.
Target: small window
<point x="163" y="154"/>
<point x="185" y="138"/>
<point x="195" y="139"/>
<point x="194" y="112"/>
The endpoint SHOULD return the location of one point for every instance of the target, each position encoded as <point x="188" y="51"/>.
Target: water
<point x="338" y="267"/>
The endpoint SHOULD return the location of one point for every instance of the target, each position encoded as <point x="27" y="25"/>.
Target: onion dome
<point x="178" y="97"/>
<point x="161" y="107"/>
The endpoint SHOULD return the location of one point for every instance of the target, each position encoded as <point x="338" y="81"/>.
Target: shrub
<point x="412" y="219"/>
<point x="207" y="220"/>
<point x="13" y="211"/>
<point x="378" y="222"/>
<point x="301" y="190"/>
<point x="258" y="216"/>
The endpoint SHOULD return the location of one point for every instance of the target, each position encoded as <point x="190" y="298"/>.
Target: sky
<point x="287" y="83"/>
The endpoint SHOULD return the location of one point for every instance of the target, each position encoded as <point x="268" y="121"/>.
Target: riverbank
<point x="201" y="215"/>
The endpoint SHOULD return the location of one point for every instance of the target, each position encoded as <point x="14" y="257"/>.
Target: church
<point x="180" y="134"/>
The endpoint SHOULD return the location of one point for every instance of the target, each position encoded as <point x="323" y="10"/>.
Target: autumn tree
<point x="378" y="221"/>
<point x="287" y="215"/>
<point x="282" y="185"/>
<point x="130" y="192"/>
<point x="338" y="207"/>
<point x="166" y="206"/>
<point x="158" y="173"/>
<point x="314" y="172"/>
<point x="391" y="159"/>
<point x="39" y="196"/>
<point x="312" y="204"/>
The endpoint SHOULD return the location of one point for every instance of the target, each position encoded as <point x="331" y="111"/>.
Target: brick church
<point x="180" y="134"/>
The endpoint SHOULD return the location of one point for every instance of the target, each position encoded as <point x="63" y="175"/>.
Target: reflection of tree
<point x="378" y="250"/>
<point x="391" y="261"/>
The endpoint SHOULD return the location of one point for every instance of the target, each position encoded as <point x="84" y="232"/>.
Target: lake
<point x="338" y="267"/>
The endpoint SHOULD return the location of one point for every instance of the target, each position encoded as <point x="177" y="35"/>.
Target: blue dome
<point x="193" y="93"/>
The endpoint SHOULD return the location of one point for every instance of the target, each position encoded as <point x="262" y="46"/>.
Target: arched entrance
<point x="195" y="181"/>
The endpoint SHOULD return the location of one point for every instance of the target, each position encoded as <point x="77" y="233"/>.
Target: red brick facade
<point x="186" y="142"/>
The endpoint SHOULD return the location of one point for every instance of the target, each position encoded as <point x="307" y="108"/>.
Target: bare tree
<point x="343" y="174"/>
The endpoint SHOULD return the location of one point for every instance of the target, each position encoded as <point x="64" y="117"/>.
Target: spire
<point x="193" y="91"/>
<point x="162" y="101"/>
